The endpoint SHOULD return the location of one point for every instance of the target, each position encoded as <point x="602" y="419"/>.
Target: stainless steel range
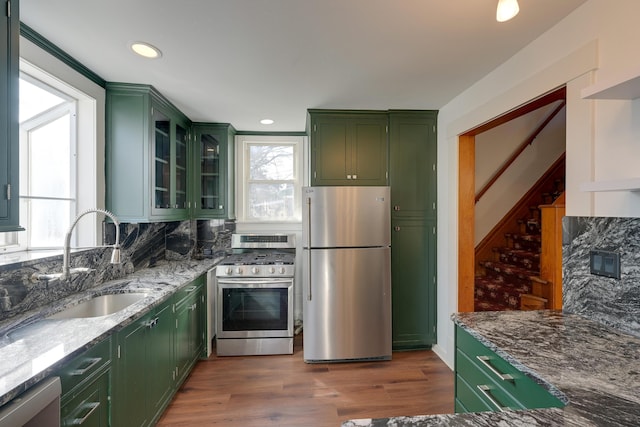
<point x="254" y="286"/>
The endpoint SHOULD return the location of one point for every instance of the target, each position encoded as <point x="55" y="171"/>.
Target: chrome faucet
<point x="67" y="271"/>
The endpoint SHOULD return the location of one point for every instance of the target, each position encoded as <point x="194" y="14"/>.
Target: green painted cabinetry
<point x="154" y="355"/>
<point x="348" y="147"/>
<point x="412" y="177"/>
<point x="190" y="312"/>
<point x="213" y="170"/>
<point x="487" y="382"/>
<point x="9" y="140"/>
<point x="86" y="383"/>
<point x="147" y="155"/>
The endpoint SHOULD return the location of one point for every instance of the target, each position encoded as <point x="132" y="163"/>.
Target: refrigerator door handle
<point x="308" y="231"/>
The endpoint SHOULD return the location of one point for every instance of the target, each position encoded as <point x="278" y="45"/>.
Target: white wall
<point x="602" y="136"/>
<point x="494" y="147"/>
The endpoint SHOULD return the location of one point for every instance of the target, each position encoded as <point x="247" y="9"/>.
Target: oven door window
<point x="255" y="309"/>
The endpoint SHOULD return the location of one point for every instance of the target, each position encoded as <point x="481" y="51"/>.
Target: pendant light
<point x="507" y="9"/>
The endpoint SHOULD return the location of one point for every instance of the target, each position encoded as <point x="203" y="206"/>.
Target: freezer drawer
<point x="347" y="304"/>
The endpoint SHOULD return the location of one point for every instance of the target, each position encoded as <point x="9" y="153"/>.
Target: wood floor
<point x="282" y="390"/>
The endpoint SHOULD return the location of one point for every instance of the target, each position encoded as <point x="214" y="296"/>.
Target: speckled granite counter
<point x="593" y="367"/>
<point x="32" y="346"/>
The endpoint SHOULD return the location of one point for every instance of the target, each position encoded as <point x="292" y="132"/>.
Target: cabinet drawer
<point x="522" y="388"/>
<point x="485" y="387"/>
<point x="90" y="407"/>
<point x="467" y="400"/>
<point x="85" y="365"/>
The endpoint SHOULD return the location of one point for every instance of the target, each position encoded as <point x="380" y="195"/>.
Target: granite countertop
<point x="32" y="347"/>
<point x="595" y="368"/>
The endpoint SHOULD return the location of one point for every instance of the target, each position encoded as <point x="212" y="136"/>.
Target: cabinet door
<point x="181" y="168"/>
<point x="349" y="148"/>
<point x="160" y="360"/>
<point x="413" y="284"/>
<point x="412" y="148"/>
<point x="161" y="159"/>
<point x="9" y="157"/>
<point x="331" y="151"/>
<point x="184" y="336"/>
<point x="129" y="404"/>
<point x="212" y="170"/>
<point x="369" y="156"/>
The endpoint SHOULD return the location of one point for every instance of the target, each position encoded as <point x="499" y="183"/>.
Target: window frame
<point x="243" y="179"/>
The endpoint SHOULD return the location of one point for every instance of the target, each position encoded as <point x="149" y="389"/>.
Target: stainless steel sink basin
<point x="102" y="305"/>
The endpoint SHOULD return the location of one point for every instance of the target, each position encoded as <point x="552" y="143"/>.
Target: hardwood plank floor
<point x="282" y="390"/>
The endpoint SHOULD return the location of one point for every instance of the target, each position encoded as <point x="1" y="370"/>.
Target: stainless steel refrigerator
<point x="346" y="274"/>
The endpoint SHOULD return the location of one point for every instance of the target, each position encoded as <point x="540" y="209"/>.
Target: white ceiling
<point x="239" y="61"/>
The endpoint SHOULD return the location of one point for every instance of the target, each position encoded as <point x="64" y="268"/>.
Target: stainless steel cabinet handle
<point x="396" y="208"/>
<point x="190" y="289"/>
<point x="92" y="362"/>
<point x="396" y="228"/>
<point x="355" y="176"/>
<point x="91" y="406"/>
<point x="485" y="360"/>
<point x="348" y="176"/>
<point x="486" y="392"/>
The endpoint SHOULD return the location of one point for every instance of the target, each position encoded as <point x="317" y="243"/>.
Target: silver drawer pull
<point x="486" y="392"/>
<point x="485" y="360"/>
<point x="190" y="289"/>
<point x="92" y="362"/>
<point x="92" y="406"/>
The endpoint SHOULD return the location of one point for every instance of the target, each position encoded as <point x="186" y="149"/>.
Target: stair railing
<point x="519" y="151"/>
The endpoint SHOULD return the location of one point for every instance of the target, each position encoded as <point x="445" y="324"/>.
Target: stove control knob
<point x="272" y="270"/>
<point x="229" y="271"/>
<point x="255" y="270"/>
<point x="282" y="270"/>
<point x="238" y="270"/>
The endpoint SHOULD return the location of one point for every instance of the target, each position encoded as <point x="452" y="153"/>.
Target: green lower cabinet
<point x="487" y="382"/>
<point x="154" y="355"/>
<point x="413" y="285"/>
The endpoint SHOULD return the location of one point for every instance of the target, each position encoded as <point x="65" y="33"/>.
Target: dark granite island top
<point x="595" y="368"/>
<point x="32" y="347"/>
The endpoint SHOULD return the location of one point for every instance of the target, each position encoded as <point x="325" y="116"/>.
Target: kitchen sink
<point x="102" y="305"/>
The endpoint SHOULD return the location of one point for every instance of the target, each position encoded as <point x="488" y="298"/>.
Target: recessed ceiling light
<point x="146" y="50"/>
<point x="266" y="121"/>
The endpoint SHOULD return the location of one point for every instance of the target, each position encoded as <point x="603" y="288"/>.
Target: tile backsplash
<point x="142" y="245"/>
<point x="614" y="302"/>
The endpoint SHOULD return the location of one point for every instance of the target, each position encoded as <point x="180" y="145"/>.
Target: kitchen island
<point x="595" y="369"/>
<point x="32" y="346"/>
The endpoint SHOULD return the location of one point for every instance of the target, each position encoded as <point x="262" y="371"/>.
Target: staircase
<point x="505" y="273"/>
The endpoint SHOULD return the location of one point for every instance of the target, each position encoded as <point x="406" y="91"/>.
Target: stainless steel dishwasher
<point x="37" y="407"/>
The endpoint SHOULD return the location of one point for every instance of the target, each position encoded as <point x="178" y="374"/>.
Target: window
<point x="270" y="177"/>
<point x="47" y="164"/>
<point x="58" y="143"/>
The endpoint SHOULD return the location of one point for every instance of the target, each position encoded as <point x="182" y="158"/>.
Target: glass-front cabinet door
<point x="162" y="157"/>
<point x="182" y="140"/>
<point x="210" y="172"/>
<point x="213" y="180"/>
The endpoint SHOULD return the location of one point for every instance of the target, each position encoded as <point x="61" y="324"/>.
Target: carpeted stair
<point x="500" y="281"/>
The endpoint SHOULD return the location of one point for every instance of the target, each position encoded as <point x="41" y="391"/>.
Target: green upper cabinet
<point x="348" y="147"/>
<point x="213" y="170"/>
<point x="413" y="163"/>
<point x="412" y="177"/>
<point x="9" y="149"/>
<point x="147" y="152"/>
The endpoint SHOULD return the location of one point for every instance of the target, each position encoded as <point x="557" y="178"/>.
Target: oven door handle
<point x="308" y="230"/>
<point x="240" y="282"/>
